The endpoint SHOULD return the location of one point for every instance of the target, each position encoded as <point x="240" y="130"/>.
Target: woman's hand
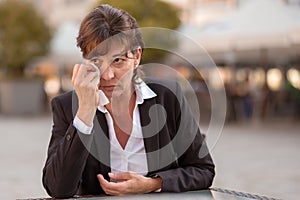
<point x="85" y="80"/>
<point x="129" y="183"/>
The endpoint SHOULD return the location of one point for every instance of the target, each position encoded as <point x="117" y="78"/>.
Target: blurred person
<point x="131" y="157"/>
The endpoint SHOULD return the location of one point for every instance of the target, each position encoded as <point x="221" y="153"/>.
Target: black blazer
<point x="176" y="150"/>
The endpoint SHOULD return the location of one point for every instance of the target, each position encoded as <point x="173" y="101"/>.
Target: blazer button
<point x="68" y="137"/>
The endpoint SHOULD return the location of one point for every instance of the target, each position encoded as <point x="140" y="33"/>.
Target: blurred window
<point x="68" y="2"/>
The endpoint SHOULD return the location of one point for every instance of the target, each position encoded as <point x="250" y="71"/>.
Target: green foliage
<point x="23" y="35"/>
<point x="150" y="13"/>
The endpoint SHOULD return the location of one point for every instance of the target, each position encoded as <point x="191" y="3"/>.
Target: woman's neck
<point x="123" y="105"/>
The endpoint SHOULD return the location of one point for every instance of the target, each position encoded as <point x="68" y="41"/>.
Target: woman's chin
<point x="112" y="94"/>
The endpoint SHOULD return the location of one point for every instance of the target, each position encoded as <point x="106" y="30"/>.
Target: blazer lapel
<point x="150" y="129"/>
<point x="102" y="143"/>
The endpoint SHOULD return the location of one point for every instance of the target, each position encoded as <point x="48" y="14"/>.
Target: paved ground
<point x="256" y="157"/>
<point x="260" y="158"/>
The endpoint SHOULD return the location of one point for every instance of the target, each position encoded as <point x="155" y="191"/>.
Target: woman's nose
<point x="108" y="73"/>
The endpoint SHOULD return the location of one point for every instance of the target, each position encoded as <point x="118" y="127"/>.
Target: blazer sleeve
<point x="67" y="154"/>
<point x="194" y="168"/>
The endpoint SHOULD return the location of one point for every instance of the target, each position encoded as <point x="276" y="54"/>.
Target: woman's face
<point x="116" y="70"/>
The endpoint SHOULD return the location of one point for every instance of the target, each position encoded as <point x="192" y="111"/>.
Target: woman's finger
<point x="112" y="188"/>
<point x="75" y="71"/>
<point x="120" y="176"/>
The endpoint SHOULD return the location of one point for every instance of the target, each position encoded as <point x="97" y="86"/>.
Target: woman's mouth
<point x="109" y="88"/>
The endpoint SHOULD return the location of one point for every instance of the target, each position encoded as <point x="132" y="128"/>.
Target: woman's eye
<point x="95" y="61"/>
<point x="118" y="60"/>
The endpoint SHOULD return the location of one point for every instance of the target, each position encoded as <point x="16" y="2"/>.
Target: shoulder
<point x="168" y="91"/>
<point x="64" y="103"/>
<point x="64" y="98"/>
<point x="160" y="85"/>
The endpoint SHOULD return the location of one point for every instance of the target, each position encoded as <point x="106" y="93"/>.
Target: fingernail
<point x="110" y="174"/>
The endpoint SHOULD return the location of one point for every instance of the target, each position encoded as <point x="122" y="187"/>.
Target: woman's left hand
<point x="129" y="183"/>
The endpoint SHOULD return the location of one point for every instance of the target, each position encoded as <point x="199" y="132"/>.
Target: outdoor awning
<point x="257" y="26"/>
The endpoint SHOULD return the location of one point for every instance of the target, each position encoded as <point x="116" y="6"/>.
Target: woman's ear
<point x="138" y="56"/>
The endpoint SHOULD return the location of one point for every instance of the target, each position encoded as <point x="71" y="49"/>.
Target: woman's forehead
<point x="116" y="48"/>
<point x="108" y="49"/>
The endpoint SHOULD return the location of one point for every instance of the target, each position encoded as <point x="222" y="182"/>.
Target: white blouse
<point x="133" y="158"/>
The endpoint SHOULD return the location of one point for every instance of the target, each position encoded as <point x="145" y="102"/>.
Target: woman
<point x="118" y="134"/>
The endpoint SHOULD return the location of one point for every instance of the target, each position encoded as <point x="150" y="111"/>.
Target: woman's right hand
<point x="85" y="80"/>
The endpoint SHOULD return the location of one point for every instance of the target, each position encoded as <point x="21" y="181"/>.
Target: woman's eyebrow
<point x="100" y="58"/>
<point x="122" y="53"/>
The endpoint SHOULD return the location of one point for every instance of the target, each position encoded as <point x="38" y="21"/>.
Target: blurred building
<point x="254" y="43"/>
<point x="202" y="12"/>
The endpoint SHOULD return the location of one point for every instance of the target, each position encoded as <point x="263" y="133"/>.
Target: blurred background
<point x="255" y="45"/>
